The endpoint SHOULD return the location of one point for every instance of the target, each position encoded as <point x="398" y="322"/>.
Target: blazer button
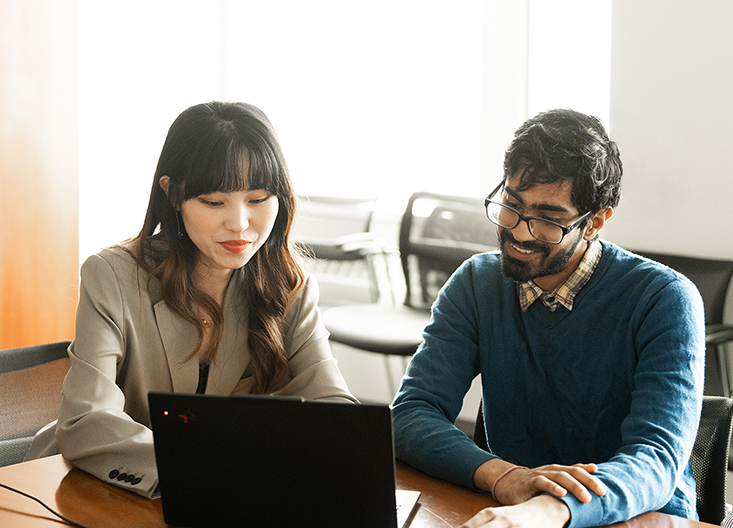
<point x="113" y="474"/>
<point x="121" y="476"/>
<point x="129" y="478"/>
<point x="136" y="481"/>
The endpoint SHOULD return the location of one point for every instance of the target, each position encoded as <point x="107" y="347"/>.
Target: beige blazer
<point x="128" y="343"/>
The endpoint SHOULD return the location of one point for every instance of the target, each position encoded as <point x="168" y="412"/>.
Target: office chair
<point x="437" y="233"/>
<point x="709" y="458"/>
<point x="30" y="392"/>
<point x="712" y="278"/>
<point x="336" y="231"/>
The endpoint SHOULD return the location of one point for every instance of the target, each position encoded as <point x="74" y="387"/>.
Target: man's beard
<point x="521" y="271"/>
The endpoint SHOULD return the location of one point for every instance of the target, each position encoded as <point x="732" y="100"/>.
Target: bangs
<point x="231" y="167"/>
<point x="267" y="170"/>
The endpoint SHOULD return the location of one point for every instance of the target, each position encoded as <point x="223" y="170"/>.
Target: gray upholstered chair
<point x="30" y="392"/>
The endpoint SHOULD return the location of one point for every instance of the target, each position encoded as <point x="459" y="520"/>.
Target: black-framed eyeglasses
<point x="540" y="228"/>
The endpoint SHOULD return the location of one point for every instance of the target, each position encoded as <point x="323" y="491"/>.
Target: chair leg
<point x="388" y="275"/>
<point x="721" y="352"/>
<point x="390" y="379"/>
<point x="373" y="279"/>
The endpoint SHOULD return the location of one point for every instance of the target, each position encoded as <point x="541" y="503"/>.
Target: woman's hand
<point x="522" y="484"/>
<point x="543" y="511"/>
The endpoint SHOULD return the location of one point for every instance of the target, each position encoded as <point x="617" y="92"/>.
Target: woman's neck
<point x="213" y="282"/>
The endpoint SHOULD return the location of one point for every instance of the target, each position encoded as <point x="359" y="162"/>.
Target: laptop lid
<point x="273" y="461"/>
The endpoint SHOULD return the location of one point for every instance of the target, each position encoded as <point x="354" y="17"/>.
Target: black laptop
<point x="273" y="461"/>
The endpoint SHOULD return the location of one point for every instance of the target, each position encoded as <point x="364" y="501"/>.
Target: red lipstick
<point x="235" y="246"/>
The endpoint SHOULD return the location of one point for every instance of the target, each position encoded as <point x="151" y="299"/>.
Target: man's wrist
<point x="488" y="472"/>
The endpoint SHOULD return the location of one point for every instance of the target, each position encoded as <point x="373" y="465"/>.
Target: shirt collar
<point x="564" y="294"/>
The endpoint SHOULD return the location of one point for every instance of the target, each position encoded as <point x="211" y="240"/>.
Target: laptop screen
<point x="273" y="461"/>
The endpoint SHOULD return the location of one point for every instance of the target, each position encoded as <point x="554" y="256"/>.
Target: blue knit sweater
<point x="616" y="381"/>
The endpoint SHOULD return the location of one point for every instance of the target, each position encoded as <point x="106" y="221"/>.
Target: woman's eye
<point x="211" y="203"/>
<point x="260" y="200"/>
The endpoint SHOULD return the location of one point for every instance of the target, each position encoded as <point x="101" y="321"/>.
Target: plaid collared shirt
<point x="564" y="294"/>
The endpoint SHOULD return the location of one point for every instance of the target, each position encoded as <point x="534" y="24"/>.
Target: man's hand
<point x="522" y="484"/>
<point x="541" y="511"/>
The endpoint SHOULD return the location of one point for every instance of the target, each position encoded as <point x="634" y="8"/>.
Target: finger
<point x="590" y="468"/>
<point x="566" y="481"/>
<point x="581" y="473"/>
<point x="544" y="484"/>
<point x="588" y="480"/>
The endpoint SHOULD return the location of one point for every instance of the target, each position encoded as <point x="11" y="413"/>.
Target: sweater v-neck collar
<point x="552" y="318"/>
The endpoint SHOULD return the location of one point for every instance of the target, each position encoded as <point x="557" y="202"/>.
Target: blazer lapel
<point x="179" y="339"/>
<point x="233" y="357"/>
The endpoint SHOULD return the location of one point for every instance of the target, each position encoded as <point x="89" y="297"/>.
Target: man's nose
<point x="521" y="231"/>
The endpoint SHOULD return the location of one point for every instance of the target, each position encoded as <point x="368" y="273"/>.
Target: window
<point x="369" y="98"/>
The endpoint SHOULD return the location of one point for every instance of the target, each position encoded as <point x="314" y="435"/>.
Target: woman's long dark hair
<point x="204" y="153"/>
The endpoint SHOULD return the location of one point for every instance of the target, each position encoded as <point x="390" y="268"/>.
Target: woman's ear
<point x="165" y="182"/>
<point x="597" y="221"/>
<point x="171" y="191"/>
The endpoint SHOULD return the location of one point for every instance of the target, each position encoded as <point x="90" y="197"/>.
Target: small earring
<point x="179" y="232"/>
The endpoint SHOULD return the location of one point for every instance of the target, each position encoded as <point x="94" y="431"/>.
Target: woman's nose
<point x="238" y="219"/>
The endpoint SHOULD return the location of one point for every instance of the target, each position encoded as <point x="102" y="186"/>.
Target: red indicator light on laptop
<point x="165" y="413"/>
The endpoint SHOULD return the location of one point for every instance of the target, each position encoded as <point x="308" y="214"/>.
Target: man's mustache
<point x="532" y="245"/>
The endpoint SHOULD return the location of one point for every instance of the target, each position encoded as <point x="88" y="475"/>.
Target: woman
<point x="207" y="298"/>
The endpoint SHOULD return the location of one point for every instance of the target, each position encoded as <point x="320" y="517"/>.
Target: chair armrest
<point x="365" y="246"/>
<point x="718" y="334"/>
<point x="355" y="237"/>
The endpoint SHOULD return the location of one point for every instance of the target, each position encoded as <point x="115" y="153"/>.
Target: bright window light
<point x="570" y="56"/>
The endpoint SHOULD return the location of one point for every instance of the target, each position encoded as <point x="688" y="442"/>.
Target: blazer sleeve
<point x="315" y="371"/>
<point x="93" y="430"/>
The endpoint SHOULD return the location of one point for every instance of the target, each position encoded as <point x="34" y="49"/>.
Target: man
<point x="591" y="358"/>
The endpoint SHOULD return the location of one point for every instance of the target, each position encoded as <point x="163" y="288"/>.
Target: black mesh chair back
<point x="709" y="459"/>
<point x="479" y="430"/>
<point x="437" y="234"/>
<point x="30" y="392"/>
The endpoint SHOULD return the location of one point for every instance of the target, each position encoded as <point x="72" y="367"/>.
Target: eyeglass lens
<point x="538" y="228"/>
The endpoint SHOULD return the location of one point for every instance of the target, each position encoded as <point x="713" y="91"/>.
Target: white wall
<point x="369" y="98"/>
<point x="671" y="114"/>
<point x="141" y="63"/>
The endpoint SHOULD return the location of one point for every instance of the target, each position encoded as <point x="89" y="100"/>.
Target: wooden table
<point x="91" y="502"/>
